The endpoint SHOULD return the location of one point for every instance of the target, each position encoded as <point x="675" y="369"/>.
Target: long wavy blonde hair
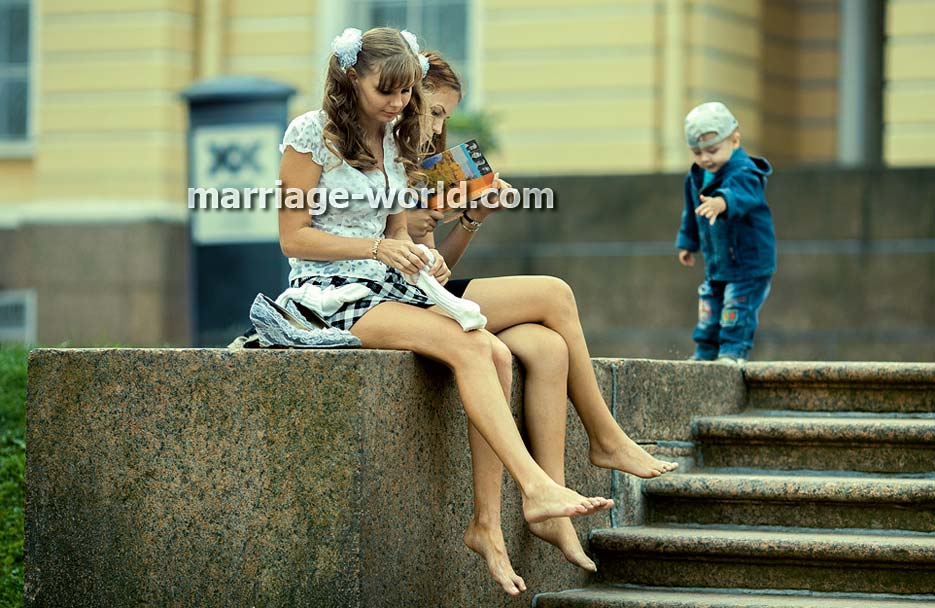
<point x="383" y="50"/>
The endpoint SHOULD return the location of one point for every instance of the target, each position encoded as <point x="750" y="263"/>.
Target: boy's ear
<point x="736" y="137"/>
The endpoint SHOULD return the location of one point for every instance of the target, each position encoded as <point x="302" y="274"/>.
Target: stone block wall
<point x="297" y="478"/>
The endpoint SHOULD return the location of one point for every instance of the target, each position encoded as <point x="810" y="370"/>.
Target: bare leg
<point x="470" y="356"/>
<point x="510" y="301"/>
<point x="484" y="534"/>
<point x="545" y="358"/>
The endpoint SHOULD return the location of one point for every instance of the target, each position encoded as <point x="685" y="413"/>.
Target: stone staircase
<point x="820" y="494"/>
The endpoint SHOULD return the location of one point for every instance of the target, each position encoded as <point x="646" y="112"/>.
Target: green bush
<point x="12" y="469"/>
<point x="481" y="126"/>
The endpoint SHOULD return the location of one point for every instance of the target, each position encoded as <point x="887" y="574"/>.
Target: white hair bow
<point x="414" y="45"/>
<point x="346" y="47"/>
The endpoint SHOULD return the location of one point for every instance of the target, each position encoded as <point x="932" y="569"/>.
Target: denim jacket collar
<point x="739" y="159"/>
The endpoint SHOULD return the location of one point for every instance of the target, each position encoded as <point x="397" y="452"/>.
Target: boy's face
<point x="712" y="158"/>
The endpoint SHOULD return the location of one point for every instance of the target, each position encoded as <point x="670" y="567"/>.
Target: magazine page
<point x="458" y="176"/>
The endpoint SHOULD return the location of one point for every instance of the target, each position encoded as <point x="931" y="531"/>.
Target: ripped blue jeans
<point x="728" y="314"/>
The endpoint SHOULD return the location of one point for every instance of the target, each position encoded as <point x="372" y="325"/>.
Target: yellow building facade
<point x="909" y="94"/>
<point x="587" y="87"/>
<point x="598" y="86"/>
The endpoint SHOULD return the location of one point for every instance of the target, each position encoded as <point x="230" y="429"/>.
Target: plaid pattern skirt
<point x="393" y="288"/>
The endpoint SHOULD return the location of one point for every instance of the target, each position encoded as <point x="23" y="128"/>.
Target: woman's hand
<point x="439" y="269"/>
<point x="492" y="199"/>
<point x="422" y="221"/>
<point x="500" y="184"/>
<point x="403" y="255"/>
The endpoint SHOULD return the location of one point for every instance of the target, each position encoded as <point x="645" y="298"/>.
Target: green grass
<point x="12" y="468"/>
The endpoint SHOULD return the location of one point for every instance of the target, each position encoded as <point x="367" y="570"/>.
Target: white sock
<point x="465" y="312"/>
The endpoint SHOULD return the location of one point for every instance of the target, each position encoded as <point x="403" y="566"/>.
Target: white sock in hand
<point x="465" y="312"/>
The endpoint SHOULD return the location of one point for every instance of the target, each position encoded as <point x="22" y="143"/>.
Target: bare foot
<point x="560" y="532"/>
<point x="489" y="544"/>
<point x="629" y="457"/>
<point x="552" y="500"/>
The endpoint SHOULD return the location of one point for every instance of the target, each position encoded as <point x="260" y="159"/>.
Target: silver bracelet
<point x="472" y="223"/>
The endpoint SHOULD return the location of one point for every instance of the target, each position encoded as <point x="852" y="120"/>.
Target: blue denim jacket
<point x="741" y="243"/>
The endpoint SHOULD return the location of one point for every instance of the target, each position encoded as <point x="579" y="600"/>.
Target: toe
<point x="506" y="580"/>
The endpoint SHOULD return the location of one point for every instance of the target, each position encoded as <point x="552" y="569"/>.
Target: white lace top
<point x="359" y="218"/>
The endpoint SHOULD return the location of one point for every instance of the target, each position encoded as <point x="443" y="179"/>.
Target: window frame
<point x="471" y="69"/>
<point x="25" y="148"/>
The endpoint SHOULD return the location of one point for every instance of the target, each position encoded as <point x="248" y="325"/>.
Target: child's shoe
<point x="703" y="355"/>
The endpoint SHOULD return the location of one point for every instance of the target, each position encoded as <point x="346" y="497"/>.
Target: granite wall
<point x="297" y="478"/>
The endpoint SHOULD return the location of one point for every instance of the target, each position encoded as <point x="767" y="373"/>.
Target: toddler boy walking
<point x="727" y="217"/>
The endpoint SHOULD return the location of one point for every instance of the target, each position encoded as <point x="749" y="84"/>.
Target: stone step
<point x="870" y="444"/>
<point x="649" y="597"/>
<point x="757" y="558"/>
<point x="870" y="387"/>
<point x="872" y="502"/>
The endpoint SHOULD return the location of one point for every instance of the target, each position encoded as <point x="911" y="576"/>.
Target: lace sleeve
<point x="304" y="134"/>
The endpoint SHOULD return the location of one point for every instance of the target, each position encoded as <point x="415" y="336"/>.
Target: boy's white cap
<point x="711" y="117"/>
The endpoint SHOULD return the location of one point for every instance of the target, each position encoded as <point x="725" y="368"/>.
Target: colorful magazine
<point x="458" y="175"/>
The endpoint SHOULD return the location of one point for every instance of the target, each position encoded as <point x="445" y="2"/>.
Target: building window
<point x="14" y="70"/>
<point x="441" y="25"/>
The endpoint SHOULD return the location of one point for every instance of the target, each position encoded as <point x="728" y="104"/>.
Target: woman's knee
<point x="468" y="348"/>
<point x="561" y="299"/>
<point x="553" y="354"/>
<point x="502" y="356"/>
<point x="540" y="350"/>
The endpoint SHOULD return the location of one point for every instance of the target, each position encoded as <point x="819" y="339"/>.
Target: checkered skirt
<point x="393" y="288"/>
